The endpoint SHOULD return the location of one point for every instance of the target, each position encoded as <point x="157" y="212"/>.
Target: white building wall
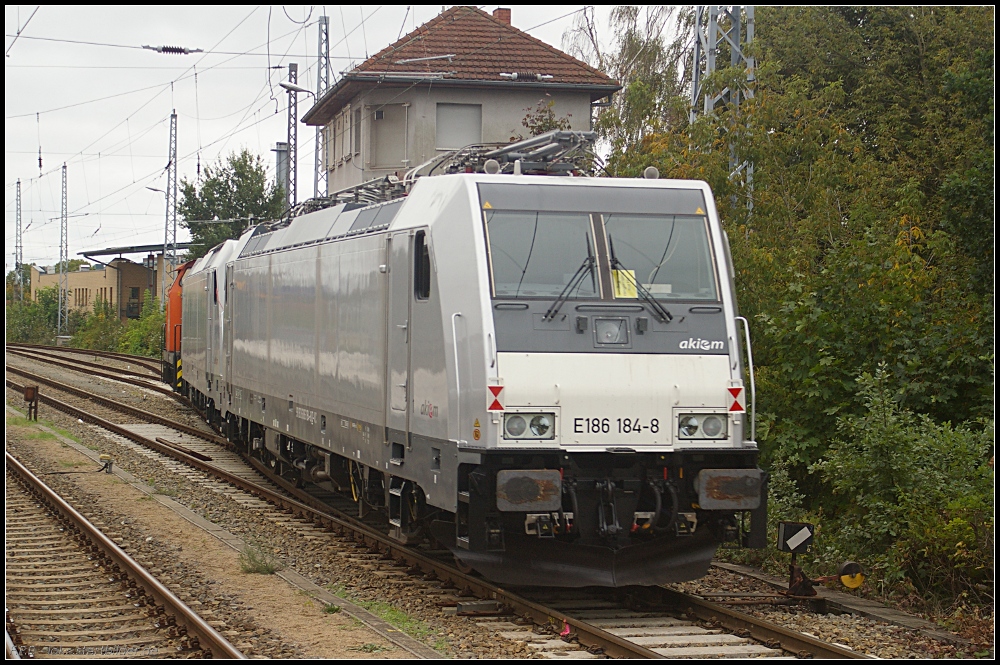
<point x="353" y="158"/>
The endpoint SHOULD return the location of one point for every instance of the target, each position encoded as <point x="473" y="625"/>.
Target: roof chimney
<point x="502" y="14"/>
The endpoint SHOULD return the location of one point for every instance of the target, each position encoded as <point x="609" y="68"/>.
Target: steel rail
<point x="45" y="353"/>
<point x="203" y="635"/>
<point x="151" y="364"/>
<point x="761" y="630"/>
<point x="118" y="406"/>
<point x="95" y="371"/>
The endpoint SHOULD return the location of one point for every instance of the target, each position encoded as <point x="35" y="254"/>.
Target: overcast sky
<point x="80" y="88"/>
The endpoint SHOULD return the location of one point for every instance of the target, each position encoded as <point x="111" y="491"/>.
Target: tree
<point x="237" y="190"/>
<point x="542" y="118"/>
<point x="72" y="265"/>
<point x="101" y="330"/>
<point x="12" y="287"/>
<point x="27" y="324"/>
<point x="144" y="336"/>
<point x="643" y="62"/>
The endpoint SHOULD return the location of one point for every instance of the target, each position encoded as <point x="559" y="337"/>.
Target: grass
<point x="38" y="435"/>
<point x="165" y="491"/>
<point x="19" y="421"/>
<point x="354" y="623"/>
<point x="331" y="609"/>
<point x="368" y="647"/>
<point x="66" y="433"/>
<point x="401" y="620"/>
<point x="258" y="559"/>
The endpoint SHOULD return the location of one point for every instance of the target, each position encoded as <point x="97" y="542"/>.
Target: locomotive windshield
<point x="668" y="255"/>
<point x="538" y="253"/>
<point x="629" y="242"/>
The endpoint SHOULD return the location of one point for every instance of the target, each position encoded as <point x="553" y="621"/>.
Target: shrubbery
<point x="101" y="330"/>
<point x="917" y="495"/>
<point x="144" y="336"/>
<point x="34" y="322"/>
<point x="912" y="501"/>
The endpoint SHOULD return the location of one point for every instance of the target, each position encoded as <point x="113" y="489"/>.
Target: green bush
<point x="144" y="336"/>
<point x="918" y="496"/>
<point x="27" y="324"/>
<point x="101" y="330"/>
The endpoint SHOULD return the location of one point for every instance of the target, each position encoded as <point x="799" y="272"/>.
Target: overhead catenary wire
<point x="20" y="30"/>
<point x="251" y="117"/>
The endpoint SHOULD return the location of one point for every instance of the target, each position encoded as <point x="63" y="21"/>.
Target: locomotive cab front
<point x="613" y="446"/>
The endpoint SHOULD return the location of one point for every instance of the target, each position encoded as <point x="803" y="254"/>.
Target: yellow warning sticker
<point x="624" y="283"/>
<point x="699" y="211"/>
<point x="487" y="206"/>
<point x="477" y="423"/>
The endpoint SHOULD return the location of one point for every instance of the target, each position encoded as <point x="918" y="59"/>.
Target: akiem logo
<point x="702" y="344"/>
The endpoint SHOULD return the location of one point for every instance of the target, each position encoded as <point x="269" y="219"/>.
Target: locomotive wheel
<point x="464" y="568"/>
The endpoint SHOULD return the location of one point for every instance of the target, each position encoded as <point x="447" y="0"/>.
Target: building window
<point x="331" y="146"/>
<point x="345" y="145"/>
<point x="388" y="127"/>
<point x="134" y="295"/>
<point x="356" y="131"/>
<point x="458" y="125"/>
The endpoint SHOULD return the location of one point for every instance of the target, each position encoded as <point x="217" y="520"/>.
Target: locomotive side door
<point x="227" y="332"/>
<point x="210" y="316"/>
<point x="397" y="379"/>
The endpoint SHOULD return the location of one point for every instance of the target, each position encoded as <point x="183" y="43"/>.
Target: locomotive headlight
<point x="711" y="426"/>
<point x="529" y="426"/>
<point x="540" y="425"/>
<point x="515" y="426"/>
<point x="688" y="426"/>
<point x="702" y="426"/>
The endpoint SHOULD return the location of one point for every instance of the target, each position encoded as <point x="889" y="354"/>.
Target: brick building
<point x="120" y="281"/>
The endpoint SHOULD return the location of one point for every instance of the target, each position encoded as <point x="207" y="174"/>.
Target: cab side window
<point x="421" y="267"/>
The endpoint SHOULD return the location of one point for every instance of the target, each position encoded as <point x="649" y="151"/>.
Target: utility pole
<point x="170" y="226"/>
<point x="293" y="133"/>
<point x="281" y="165"/>
<point x="18" y="249"/>
<point x="321" y="176"/>
<point x="63" y="319"/>
<point x="711" y="36"/>
<point x="717" y="27"/>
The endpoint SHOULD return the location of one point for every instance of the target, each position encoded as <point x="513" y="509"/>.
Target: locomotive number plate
<point x="615" y="425"/>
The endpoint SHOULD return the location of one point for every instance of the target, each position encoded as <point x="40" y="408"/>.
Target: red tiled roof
<point x="483" y="47"/>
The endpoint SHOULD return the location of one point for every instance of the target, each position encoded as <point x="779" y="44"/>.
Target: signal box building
<point x="463" y="78"/>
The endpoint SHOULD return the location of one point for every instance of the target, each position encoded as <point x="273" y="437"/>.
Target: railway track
<point x="151" y="364"/>
<point x="645" y="624"/>
<point x="70" y="591"/>
<point x="125" y="375"/>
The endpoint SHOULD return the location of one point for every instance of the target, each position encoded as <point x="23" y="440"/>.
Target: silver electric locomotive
<point x="543" y="374"/>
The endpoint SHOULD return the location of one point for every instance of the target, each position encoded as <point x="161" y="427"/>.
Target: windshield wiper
<point x="662" y="314"/>
<point x="573" y="283"/>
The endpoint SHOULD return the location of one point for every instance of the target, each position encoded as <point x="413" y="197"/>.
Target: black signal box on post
<point x="795" y="537"/>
